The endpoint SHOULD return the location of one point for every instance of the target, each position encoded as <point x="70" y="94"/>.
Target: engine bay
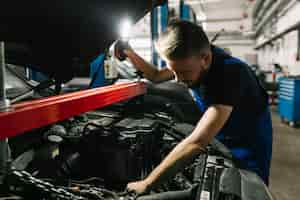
<point x="95" y="155"/>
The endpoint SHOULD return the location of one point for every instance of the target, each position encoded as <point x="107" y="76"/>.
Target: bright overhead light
<point x="125" y="28"/>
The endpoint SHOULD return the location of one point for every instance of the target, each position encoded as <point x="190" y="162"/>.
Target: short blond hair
<point x="181" y="40"/>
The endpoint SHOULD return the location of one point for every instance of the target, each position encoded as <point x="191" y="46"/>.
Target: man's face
<point x="191" y="70"/>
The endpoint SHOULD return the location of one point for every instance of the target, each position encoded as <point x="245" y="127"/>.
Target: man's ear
<point x="207" y="58"/>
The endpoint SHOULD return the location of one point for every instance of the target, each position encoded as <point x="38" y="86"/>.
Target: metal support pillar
<point x="5" y="158"/>
<point x="185" y="11"/>
<point x="159" y="22"/>
<point x="154" y="35"/>
<point x="4" y="102"/>
<point x="164" y="11"/>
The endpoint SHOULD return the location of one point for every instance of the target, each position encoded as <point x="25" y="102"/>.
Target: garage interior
<point x="79" y="122"/>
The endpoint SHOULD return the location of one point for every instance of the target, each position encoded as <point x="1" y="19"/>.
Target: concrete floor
<point x="285" y="167"/>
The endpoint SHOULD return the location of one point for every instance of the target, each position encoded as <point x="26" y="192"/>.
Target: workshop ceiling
<point x="61" y="37"/>
<point x="211" y="7"/>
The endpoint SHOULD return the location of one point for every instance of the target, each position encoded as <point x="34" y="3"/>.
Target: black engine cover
<point x="127" y="151"/>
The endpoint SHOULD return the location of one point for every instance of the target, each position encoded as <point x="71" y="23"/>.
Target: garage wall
<point x="230" y="20"/>
<point x="234" y="37"/>
<point x="285" y="49"/>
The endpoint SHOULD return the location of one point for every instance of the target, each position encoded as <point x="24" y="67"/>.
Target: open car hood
<point x="61" y="37"/>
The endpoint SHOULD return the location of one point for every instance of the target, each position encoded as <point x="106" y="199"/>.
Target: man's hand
<point x="138" y="187"/>
<point x="129" y="53"/>
<point x="149" y="71"/>
<point x="120" y="47"/>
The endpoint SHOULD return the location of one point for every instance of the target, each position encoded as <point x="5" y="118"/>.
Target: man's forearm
<point x="149" y="71"/>
<point x="207" y="128"/>
<point x="183" y="153"/>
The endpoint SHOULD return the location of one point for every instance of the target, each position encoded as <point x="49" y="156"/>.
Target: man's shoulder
<point x="235" y="63"/>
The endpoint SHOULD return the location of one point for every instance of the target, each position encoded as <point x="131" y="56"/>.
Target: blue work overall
<point x="248" y="137"/>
